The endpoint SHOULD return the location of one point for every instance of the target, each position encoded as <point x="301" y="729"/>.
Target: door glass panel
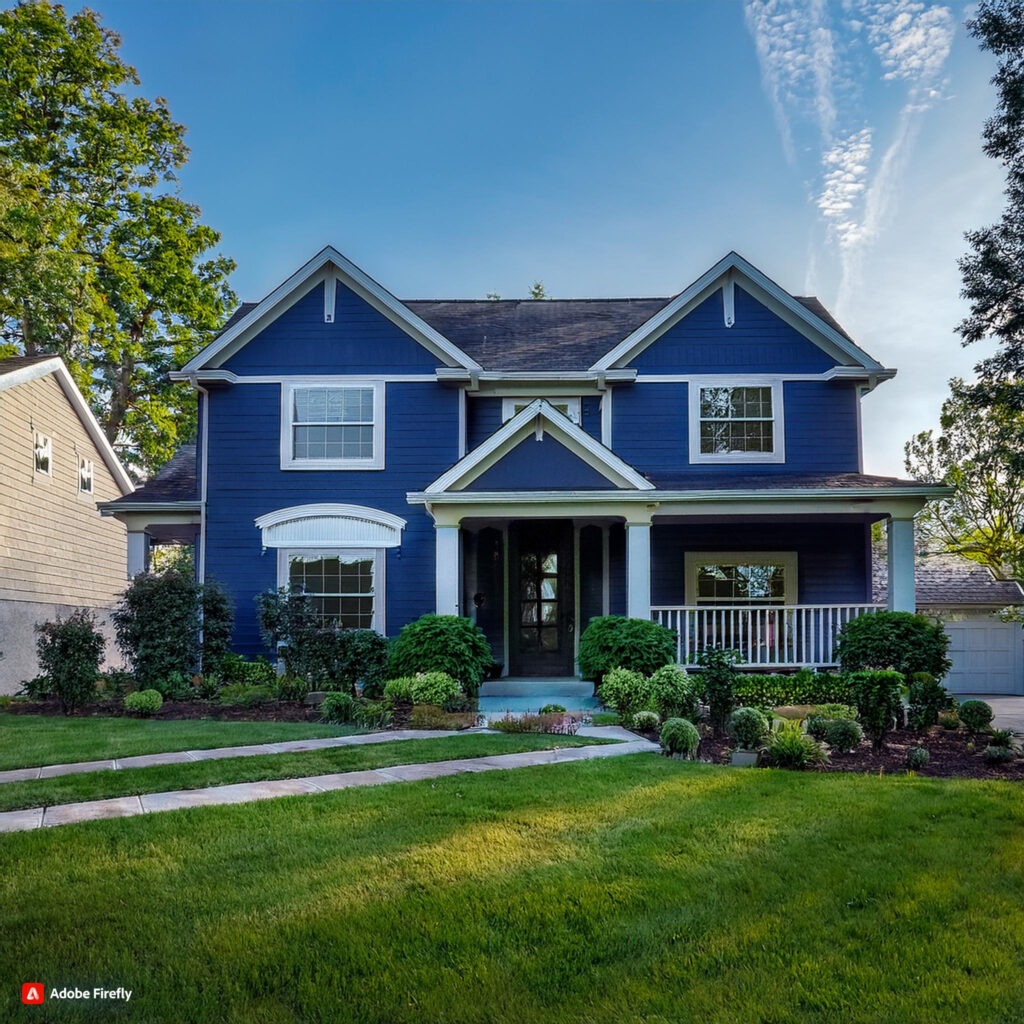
<point x="528" y="589"/>
<point x="549" y="639"/>
<point x="549" y="611"/>
<point x="549" y="563"/>
<point x="549" y="588"/>
<point x="529" y="613"/>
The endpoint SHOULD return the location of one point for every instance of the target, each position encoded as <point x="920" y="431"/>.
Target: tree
<point x="101" y="261"/>
<point x="993" y="271"/>
<point x="538" y="291"/>
<point x="978" y="453"/>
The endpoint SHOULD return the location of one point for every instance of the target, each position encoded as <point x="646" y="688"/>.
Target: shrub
<point x="748" y="727"/>
<point x="235" y="669"/>
<point x="288" y="687"/>
<point x="372" y="714"/>
<point x="5" y="700"/>
<point x="679" y="737"/>
<point x="625" y="691"/>
<point x="674" y="694"/>
<point x="975" y="714"/>
<point x="429" y="716"/>
<point x="246" y="696"/>
<point x="790" y="747"/>
<point x="817" y="725"/>
<point x="926" y="699"/>
<point x="552" y="709"/>
<point x="949" y="720"/>
<point x="804" y="687"/>
<point x="719" y="678"/>
<point x="218" y="624"/>
<point x="70" y="651"/>
<point x="338" y="708"/>
<point x="646" y="721"/>
<point x="434" y="688"/>
<point x="917" y="757"/>
<point x="613" y="641"/>
<point x="877" y="696"/>
<point x="442" y="643"/>
<point x="837" y="711"/>
<point x="399" y="689"/>
<point x="37" y="688"/>
<point x="844" y="735"/>
<point x="1000" y="738"/>
<point x="998" y="755"/>
<point x="559" y="725"/>
<point x="901" y="641"/>
<point x="143" y="702"/>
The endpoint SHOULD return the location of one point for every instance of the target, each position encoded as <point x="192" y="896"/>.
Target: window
<point x="567" y="406"/>
<point x="343" y="585"/>
<point x="85" y="476"/>
<point x="43" y="454"/>
<point x="732" y="422"/>
<point x="329" y="426"/>
<point x="741" y="578"/>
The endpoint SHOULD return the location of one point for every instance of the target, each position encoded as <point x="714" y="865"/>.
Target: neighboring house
<point x="987" y="653"/>
<point x="532" y="464"/>
<point x="56" y="552"/>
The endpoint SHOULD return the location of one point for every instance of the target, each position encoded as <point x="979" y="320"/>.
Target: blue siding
<point x="617" y="569"/>
<point x="360" y="340"/>
<point x="832" y="557"/>
<point x="759" y="342"/>
<point x="590" y="419"/>
<point x="246" y="481"/>
<point x="544" y="465"/>
<point x="483" y="417"/>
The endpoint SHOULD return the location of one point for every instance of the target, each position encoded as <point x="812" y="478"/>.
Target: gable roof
<point x="947" y="579"/>
<point x="542" y="417"/>
<point x="327" y="265"/>
<point x="176" y="480"/>
<point x="16" y="370"/>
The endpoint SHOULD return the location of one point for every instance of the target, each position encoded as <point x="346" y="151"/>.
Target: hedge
<point x="802" y="687"/>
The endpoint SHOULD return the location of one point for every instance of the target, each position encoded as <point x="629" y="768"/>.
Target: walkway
<point x="245" y="792"/>
<point x="1009" y="711"/>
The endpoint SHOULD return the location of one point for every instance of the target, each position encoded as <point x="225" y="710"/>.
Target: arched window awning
<point x="330" y="526"/>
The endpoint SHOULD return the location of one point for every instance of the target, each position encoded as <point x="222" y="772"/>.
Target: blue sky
<point x="455" y="149"/>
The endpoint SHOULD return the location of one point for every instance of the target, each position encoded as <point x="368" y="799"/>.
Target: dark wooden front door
<point x="541" y="612"/>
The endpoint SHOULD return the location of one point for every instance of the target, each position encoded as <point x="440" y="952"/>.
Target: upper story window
<point x="86" y="476"/>
<point x="733" y="421"/>
<point x="42" y="454"/>
<point x="567" y="406"/>
<point x="332" y="426"/>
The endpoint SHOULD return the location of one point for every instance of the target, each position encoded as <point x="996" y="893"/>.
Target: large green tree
<point x="101" y="260"/>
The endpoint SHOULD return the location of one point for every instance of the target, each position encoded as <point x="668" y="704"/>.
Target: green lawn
<point x="197" y="774"/>
<point x="30" y="740"/>
<point x="623" y="890"/>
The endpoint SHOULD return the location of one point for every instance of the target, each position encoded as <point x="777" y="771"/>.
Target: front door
<point x="542" y="616"/>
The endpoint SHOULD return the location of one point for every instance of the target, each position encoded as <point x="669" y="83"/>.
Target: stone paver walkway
<point x="245" y="792"/>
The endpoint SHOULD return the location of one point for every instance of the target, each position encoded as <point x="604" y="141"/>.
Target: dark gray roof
<point x="175" y="481"/>
<point x="947" y="580"/>
<point x="766" y="481"/>
<point x="12" y="363"/>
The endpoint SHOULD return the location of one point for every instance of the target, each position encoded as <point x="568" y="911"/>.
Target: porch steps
<point x="530" y="694"/>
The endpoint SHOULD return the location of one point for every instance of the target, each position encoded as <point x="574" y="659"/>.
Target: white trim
<point x="540" y="415"/>
<point x="606" y="575"/>
<point x="638" y="570"/>
<point x="447" y="375"/>
<point x="288" y="460"/>
<point x="854" y="373"/>
<point x="776" y="455"/>
<point x="390" y="532"/>
<point x="572" y="403"/>
<point x="606" y="417"/>
<point x="230" y="377"/>
<point x="729" y="299"/>
<point x="81" y="407"/>
<point x="42" y="447"/>
<point x="787" y="559"/>
<point x="762" y="288"/>
<point x="380" y="561"/>
<point x="362" y="284"/>
<point x="462" y="422"/>
<point x="447" y="578"/>
<point x="89" y="467"/>
<point x="330" y="295"/>
<point x="859" y="393"/>
<point x="203" y="477"/>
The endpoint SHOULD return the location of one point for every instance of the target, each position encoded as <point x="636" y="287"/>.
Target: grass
<point x="259" y="767"/>
<point x="606" y="718"/>
<point x="27" y="741"/>
<point x="622" y="890"/>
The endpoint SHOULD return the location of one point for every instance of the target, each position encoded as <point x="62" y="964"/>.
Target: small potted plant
<point x="749" y="728"/>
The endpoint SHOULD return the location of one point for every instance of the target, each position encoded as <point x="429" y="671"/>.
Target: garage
<point x="987" y="655"/>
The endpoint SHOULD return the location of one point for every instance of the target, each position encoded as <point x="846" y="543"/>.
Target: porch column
<point x="446" y="569"/>
<point x="138" y="552"/>
<point x="900" y="538"/>
<point x="638" y="569"/>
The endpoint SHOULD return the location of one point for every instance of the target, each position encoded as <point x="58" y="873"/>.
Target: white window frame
<point x="787" y="559"/>
<point x="378" y="555"/>
<point x="44" y="443"/>
<point x="88" y="468"/>
<point x="573" y="404"/>
<point x="778" y="452"/>
<point x="288" y="388"/>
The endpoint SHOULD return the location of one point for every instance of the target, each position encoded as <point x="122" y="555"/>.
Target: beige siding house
<point x="56" y="552"/>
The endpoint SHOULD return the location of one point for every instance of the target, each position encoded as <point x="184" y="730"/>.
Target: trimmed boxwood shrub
<point x="901" y="641"/>
<point x="613" y="641"/>
<point x="975" y="714"/>
<point x="645" y="721"/>
<point x="674" y="694"/>
<point x="70" y="651"/>
<point x="877" y="696"/>
<point x="748" y="727"/>
<point x="679" y="736"/>
<point x="626" y="692"/>
<point x="844" y="735"/>
<point x="442" y="643"/>
<point x="917" y="757"/>
<point x="803" y="687"/>
<point x="144" y="702"/>
<point x="434" y="688"/>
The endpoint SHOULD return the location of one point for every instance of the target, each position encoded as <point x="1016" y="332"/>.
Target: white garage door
<point x="987" y="656"/>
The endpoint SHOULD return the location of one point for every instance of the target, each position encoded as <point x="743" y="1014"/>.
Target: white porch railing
<point x="776" y="636"/>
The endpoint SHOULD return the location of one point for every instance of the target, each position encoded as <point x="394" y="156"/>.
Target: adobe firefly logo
<point x="32" y="992"/>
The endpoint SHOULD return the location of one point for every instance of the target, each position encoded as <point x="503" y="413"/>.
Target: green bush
<point x="748" y="727"/>
<point x="1000" y="738"/>
<point x="399" y="689"/>
<point x="625" y="691"/>
<point x="917" y="757"/>
<point x="143" y="702"/>
<point x="900" y="641"/>
<point x="817" y="725"/>
<point x="679" y="737"/>
<point x="926" y="699"/>
<point x="552" y="709"/>
<point x="645" y="721"/>
<point x="289" y="687"/>
<point x="370" y="714"/>
<point x="70" y="651"/>
<point x="998" y="755"/>
<point x="558" y="725"/>
<point x="613" y="641"/>
<point x="790" y="747"/>
<point x="877" y="696"/>
<point x="844" y="735"/>
<point x="442" y="643"/>
<point x="235" y="669"/>
<point x="674" y="693"/>
<point x="246" y="696"/>
<point x="835" y="712"/>
<point x="338" y="707"/>
<point x="949" y="720"/>
<point x="975" y="714"/>
<point x="36" y="688"/>
<point x="719" y="679"/>
<point x="803" y="687"/>
<point x="434" y="688"/>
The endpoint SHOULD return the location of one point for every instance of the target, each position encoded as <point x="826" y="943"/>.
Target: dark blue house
<point x="532" y="464"/>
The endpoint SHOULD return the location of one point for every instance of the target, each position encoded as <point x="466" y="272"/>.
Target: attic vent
<point x="330" y="526"/>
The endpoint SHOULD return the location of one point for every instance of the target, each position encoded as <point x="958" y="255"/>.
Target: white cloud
<point x="912" y="39"/>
